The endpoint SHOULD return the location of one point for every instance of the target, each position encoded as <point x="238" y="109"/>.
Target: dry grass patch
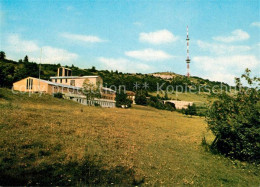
<point x="49" y="141"/>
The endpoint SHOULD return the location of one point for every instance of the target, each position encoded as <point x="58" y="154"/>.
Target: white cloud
<point x="55" y="55"/>
<point x="225" y="68"/>
<point x="256" y="24"/>
<point x="16" y="44"/>
<point x="148" y="55"/>
<point x="236" y="35"/>
<point x="82" y="38"/>
<point x="123" y="65"/>
<point x="222" y="48"/>
<point x="20" y="47"/>
<point x="158" y="37"/>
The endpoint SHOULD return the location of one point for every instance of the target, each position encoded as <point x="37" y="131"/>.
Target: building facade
<point x="77" y="80"/>
<point x="34" y="85"/>
<point x="69" y="86"/>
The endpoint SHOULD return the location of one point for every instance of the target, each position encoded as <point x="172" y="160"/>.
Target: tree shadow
<point x="73" y="173"/>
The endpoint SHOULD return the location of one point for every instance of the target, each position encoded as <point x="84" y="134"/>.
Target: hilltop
<point x="50" y="141"/>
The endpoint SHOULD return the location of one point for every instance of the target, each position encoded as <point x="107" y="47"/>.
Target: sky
<point x="137" y="36"/>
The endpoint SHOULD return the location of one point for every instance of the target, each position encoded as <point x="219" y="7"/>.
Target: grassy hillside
<point x="49" y="141"/>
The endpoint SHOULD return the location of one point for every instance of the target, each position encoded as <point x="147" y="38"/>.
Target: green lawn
<point x="49" y="141"/>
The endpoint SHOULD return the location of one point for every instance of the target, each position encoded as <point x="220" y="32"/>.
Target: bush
<point x="235" y="122"/>
<point x="191" y="110"/>
<point x="170" y="106"/>
<point x="58" y="95"/>
<point x="140" y="99"/>
<point x="122" y="100"/>
<point x="156" y="102"/>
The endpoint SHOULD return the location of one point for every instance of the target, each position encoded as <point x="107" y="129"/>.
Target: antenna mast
<point x="188" y="58"/>
<point x="40" y="69"/>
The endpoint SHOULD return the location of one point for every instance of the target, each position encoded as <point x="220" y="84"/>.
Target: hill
<point x="11" y="71"/>
<point x="50" y="141"/>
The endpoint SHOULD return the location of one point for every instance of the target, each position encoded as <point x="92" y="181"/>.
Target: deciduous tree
<point x="235" y="122"/>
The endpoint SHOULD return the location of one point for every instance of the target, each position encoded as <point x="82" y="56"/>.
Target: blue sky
<point x="136" y="36"/>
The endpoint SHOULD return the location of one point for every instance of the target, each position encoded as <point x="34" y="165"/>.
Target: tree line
<point x="12" y="71"/>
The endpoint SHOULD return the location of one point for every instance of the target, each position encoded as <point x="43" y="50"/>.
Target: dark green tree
<point x="2" y="55"/>
<point x="26" y="59"/>
<point x="6" y="72"/>
<point x="166" y="96"/>
<point x="93" y="69"/>
<point x="235" y="122"/>
<point x="191" y="110"/>
<point x="122" y="100"/>
<point x="140" y="98"/>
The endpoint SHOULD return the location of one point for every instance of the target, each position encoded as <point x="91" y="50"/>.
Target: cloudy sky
<point x="136" y="36"/>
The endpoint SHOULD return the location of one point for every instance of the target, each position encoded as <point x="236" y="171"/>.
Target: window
<point x="69" y="72"/>
<point x="60" y="80"/>
<point x="72" y="82"/>
<point x="66" y="80"/>
<point x="55" y="80"/>
<point x="60" y="71"/>
<point x="29" y="84"/>
<point x="66" y="72"/>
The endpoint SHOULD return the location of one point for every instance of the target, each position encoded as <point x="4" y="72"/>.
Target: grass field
<point x="202" y="97"/>
<point x="49" y="141"/>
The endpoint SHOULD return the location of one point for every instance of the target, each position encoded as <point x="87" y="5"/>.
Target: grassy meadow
<point x="49" y="141"/>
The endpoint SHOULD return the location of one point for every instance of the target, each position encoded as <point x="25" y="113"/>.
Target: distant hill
<point x="11" y="71"/>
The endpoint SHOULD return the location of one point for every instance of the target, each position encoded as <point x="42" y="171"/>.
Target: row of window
<point x="72" y="82"/>
<point x="106" y="97"/>
<point x="63" y="89"/>
<point x="66" y="80"/>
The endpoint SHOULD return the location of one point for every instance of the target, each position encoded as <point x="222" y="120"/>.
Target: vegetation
<point x="122" y="100"/>
<point x="91" y="90"/>
<point x="49" y="141"/>
<point x="2" y="55"/>
<point x="11" y="71"/>
<point x="140" y="98"/>
<point x="58" y="95"/>
<point x="157" y="102"/>
<point x="235" y="121"/>
<point x="191" y="110"/>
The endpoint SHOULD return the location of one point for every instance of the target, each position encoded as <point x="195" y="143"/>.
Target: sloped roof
<point x="56" y="84"/>
<point x="108" y="89"/>
<point x="130" y="93"/>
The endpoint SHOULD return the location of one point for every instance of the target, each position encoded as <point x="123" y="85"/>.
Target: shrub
<point x="58" y="95"/>
<point x="235" y="122"/>
<point x="122" y="100"/>
<point x="191" y="110"/>
<point x="156" y="102"/>
<point x="140" y="99"/>
<point x="170" y="106"/>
